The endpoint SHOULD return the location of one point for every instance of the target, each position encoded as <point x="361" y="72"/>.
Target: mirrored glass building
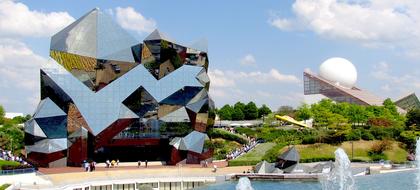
<point x="111" y="97"/>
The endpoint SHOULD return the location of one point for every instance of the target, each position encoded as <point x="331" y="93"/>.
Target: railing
<point x="17" y="171"/>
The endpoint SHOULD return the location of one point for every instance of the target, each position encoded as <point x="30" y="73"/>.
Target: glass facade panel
<point x="115" y="93"/>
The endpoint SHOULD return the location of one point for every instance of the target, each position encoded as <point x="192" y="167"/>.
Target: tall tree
<point x="263" y="111"/>
<point x="251" y="111"/>
<point x="303" y="112"/>
<point x="240" y="106"/>
<point x="2" y="113"/>
<point x="237" y="114"/>
<point x="413" y="118"/>
<point x="225" y="113"/>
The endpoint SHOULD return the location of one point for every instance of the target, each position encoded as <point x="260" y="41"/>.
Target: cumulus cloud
<point x="248" y="59"/>
<point x="17" y="20"/>
<point x="130" y="19"/>
<point x="402" y="84"/>
<point x="19" y="76"/>
<point x="374" y="23"/>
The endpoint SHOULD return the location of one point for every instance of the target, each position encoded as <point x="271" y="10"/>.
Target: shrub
<point x="309" y="140"/>
<point x="243" y="162"/>
<point x="366" y="135"/>
<point x="219" y="133"/>
<point x="317" y="159"/>
<point x="354" y="135"/>
<point x="247" y="131"/>
<point x="381" y="146"/>
<point x="377" y="157"/>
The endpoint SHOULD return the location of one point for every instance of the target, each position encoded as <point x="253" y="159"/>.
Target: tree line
<point x="241" y="111"/>
<point x="11" y="134"/>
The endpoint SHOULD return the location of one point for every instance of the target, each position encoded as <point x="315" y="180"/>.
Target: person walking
<point x="138" y="164"/>
<point x="107" y="163"/>
<point x="92" y="166"/>
<point x="146" y="163"/>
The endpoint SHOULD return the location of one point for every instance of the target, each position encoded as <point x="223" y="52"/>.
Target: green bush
<point x="220" y="133"/>
<point x="377" y="157"/>
<point x="409" y="138"/>
<point x="252" y="132"/>
<point x="354" y="135"/>
<point x="243" y="162"/>
<point x="366" y="135"/>
<point x="317" y="159"/>
<point x="309" y="140"/>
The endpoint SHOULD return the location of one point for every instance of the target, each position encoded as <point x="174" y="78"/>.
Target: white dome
<point x="339" y="70"/>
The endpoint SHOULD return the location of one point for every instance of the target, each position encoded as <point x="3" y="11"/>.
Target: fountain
<point x="340" y="178"/>
<point x="418" y="163"/>
<point x="244" y="184"/>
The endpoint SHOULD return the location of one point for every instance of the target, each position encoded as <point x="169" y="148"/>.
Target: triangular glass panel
<point x="126" y="113"/>
<point x="47" y="108"/>
<point x="179" y="115"/>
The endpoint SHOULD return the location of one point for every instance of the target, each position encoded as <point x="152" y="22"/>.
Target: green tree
<point x="239" y="105"/>
<point x="237" y="114"/>
<point x="413" y="118"/>
<point x="263" y="111"/>
<point x="225" y="113"/>
<point x="1" y="115"/>
<point x="389" y="105"/>
<point x="251" y="111"/>
<point x="303" y="112"/>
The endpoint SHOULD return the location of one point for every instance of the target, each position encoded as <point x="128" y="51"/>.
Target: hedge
<point x="243" y="162"/>
<point x="220" y="133"/>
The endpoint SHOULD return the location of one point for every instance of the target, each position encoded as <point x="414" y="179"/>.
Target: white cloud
<point x="219" y="79"/>
<point x="19" y="76"/>
<point x="394" y="83"/>
<point x="130" y="19"/>
<point x="248" y="59"/>
<point x="374" y="23"/>
<point x="271" y="76"/>
<point x="16" y="20"/>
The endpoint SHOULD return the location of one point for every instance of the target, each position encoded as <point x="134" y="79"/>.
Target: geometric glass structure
<point x="111" y="95"/>
<point x="314" y="84"/>
<point x="408" y="102"/>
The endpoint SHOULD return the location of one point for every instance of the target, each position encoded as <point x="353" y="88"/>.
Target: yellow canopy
<point x="291" y="120"/>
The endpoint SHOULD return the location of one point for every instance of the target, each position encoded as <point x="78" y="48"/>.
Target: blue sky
<point x="257" y="50"/>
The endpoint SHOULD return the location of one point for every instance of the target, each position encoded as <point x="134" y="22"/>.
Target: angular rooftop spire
<point x="157" y="35"/>
<point x="95" y="35"/>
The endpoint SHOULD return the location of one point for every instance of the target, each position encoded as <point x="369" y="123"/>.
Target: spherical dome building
<point x="339" y="71"/>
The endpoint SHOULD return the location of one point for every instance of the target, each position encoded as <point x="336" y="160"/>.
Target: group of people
<point x="111" y="164"/>
<point x="8" y="155"/>
<point x="139" y="163"/>
<point x="245" y="148"/>
<point x="89" y="166"/>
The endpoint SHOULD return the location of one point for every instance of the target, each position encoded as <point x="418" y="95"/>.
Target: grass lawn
<point x="322" y="152"/>
<point x="8" y="163"/>
<point x="258" y="152"/>
<point x="4" y="186"/>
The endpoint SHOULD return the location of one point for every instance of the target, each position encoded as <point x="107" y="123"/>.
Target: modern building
<point x="408" y="102"/>
<point x="111" y="97"/>
<point x="336" y="81"/>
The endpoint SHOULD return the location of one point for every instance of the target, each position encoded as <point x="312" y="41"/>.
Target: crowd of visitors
<point x="244" y="149"/>
<point x="89" y="166"/>
<point x="7" y="155"/>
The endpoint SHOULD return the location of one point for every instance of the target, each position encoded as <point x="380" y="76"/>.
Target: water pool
<point x="392" y="181"/>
